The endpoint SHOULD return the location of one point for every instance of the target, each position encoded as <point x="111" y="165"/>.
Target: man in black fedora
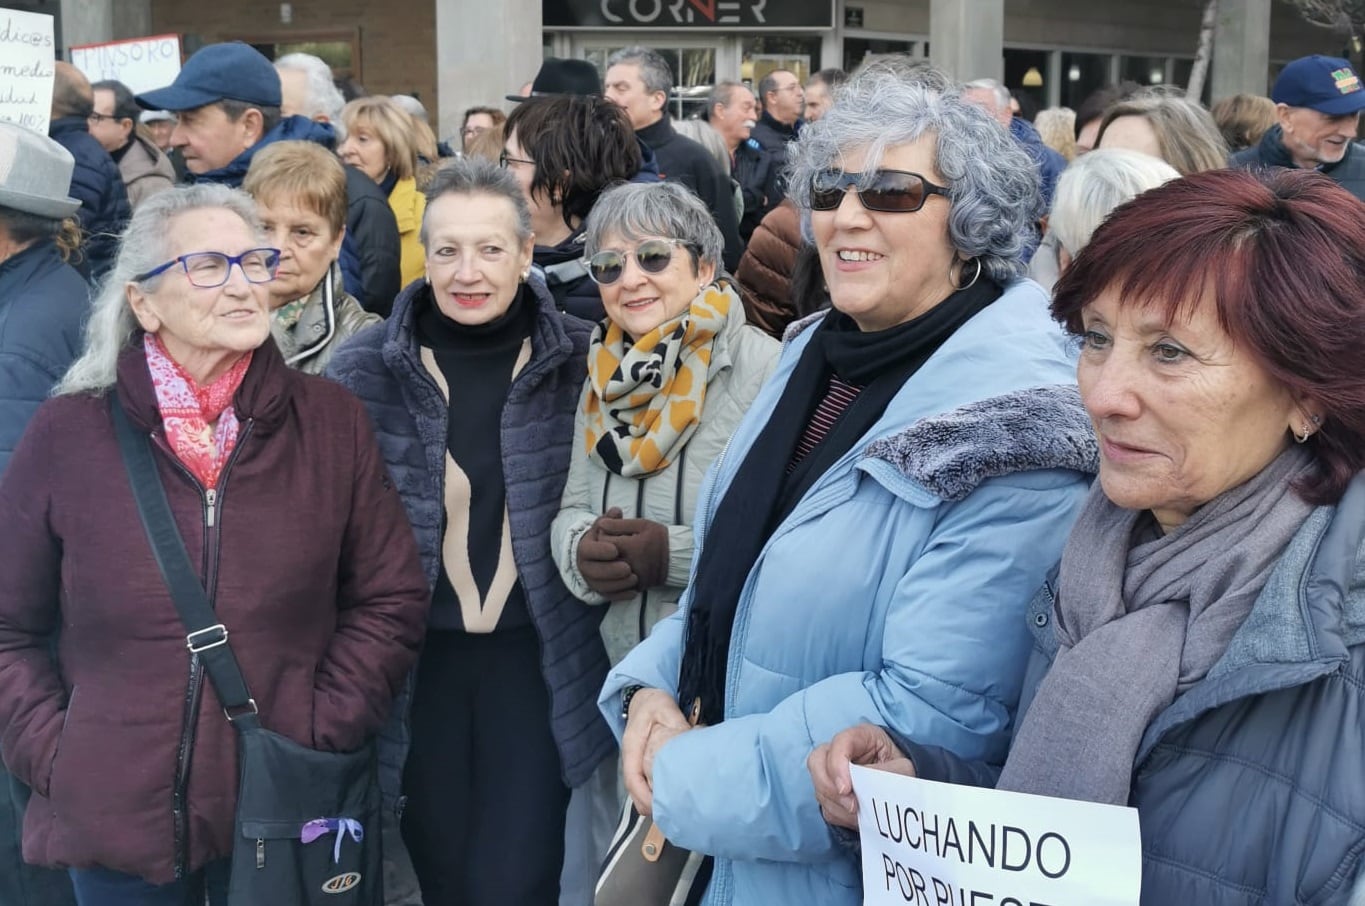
<point x="559" y="76"/>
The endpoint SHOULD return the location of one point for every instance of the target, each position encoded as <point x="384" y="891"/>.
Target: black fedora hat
<point x="558" y="76"/>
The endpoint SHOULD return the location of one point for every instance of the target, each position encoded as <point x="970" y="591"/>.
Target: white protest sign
<point x="938" y="844"/>
<point x="142" y="64"/>
<point x="27" y="53"/>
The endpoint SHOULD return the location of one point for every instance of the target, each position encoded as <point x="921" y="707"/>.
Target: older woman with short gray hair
<point x="868" y="542"/>
<point x="1092" y="187"/>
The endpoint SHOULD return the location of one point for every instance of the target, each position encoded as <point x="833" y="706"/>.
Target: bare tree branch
<point x="1204" y="52"/>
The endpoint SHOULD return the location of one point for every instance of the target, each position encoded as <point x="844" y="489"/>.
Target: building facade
<point x="457" y="53"/>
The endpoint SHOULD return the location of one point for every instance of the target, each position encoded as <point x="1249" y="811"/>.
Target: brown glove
<point x="643" y="544"/>
<point x="600" y="563"/>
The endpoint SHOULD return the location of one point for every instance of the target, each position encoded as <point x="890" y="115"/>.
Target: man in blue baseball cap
<point x="1318" y="101"/>
<point x="227" y="97"/>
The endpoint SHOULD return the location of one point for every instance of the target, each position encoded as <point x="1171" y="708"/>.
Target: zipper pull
<point x="260" y="853"/>
<point x="210" y="502"/>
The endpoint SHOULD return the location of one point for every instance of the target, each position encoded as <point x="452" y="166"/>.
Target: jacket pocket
<point x="43" y="786"/>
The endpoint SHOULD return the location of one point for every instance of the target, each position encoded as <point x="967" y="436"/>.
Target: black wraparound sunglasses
<point x="653" y="256"/>
<point x="888" y="191"/>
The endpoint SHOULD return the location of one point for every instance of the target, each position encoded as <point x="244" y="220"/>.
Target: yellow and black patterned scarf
<point x="646" y="399"/>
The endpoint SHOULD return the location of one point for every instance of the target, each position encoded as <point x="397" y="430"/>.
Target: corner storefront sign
<point x="750" y="15"/>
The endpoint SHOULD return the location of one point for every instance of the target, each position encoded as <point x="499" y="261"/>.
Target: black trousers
<point x="484" y="821"/>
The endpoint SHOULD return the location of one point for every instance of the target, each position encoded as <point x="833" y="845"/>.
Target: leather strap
<point x="206" y="637"/>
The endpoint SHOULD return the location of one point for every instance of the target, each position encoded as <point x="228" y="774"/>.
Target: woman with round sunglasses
<point x="279" y="492"/>
<point x="870" y="538"/>
<point x="671" y="370"/>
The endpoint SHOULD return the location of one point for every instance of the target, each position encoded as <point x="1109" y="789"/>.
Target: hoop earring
<point x="975" y="277"/>
<point x="1303" y="438"/>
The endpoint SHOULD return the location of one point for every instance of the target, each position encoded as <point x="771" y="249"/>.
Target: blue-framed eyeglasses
<point x="209" y="269"/>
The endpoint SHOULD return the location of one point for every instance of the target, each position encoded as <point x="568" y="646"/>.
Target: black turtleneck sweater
<point x="477" y="589"/>
<point x="684" y="161"/>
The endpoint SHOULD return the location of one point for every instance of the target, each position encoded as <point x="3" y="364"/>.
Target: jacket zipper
<point x="194" y="688"/>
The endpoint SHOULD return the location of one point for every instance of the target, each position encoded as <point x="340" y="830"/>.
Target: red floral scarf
<point x="187" y="410"/>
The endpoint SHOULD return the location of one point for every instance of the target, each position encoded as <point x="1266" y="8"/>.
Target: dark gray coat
<point x="382" y="366"/>
<point x="1250" y="786"/>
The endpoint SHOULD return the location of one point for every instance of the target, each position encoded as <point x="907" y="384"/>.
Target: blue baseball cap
<point x="1326" y="84"/>
<point x="234" y="71"/>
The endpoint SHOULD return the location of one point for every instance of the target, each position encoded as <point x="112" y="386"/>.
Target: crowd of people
<point x="608" y="470"/>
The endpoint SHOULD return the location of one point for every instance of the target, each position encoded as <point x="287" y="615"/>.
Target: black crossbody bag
<point x="307" y="828"/>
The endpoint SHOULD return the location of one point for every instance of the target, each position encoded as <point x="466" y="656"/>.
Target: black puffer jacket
<point x="760" y="181"/>
<point x="566" y="275"/>
<point x="97" y="183"/>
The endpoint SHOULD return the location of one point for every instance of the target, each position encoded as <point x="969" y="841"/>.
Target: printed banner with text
<point x="27" y="53"/>
<point x="937" y="844"/>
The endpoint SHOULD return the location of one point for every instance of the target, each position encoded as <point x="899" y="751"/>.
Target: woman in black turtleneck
<point x="473" y="384"/>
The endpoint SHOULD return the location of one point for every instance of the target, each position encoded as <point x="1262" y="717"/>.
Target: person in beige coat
<point x="671" y="370"/>
<point x="300" y="193"/>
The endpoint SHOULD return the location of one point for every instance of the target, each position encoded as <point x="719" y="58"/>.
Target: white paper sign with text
<point x="27" y="53"/>
<point x="938" y="844"/>
<point x="143" y="64"/>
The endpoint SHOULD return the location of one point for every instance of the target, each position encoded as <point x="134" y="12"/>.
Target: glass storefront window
<point x="761" y="55"/>
<point x="693" y="68"/>
<point x="858" y="51"/>
<point x="1082" y="73"/>
<point x="1143" y="70"/>
<point x="1026" y="78"/>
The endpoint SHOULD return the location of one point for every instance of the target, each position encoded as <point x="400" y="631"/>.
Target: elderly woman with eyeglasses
<point x="869" y="539"/>
<point x="279" y="491"/>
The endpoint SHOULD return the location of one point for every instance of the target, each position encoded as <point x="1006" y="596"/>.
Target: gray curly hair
<point x="146" y="244"/>
<point x="636" y="211"/>
<point x="993" y="183"/>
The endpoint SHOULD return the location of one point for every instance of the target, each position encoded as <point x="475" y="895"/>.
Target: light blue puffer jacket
<point x="894" y="593"/>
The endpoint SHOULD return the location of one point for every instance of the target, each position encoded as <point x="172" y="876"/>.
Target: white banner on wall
<point x="142" y="64"/>
<point x="27" y="53"/>
<point x="937" y="844"/>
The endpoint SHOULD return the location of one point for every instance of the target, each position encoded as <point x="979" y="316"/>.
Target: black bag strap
<point x="205" y="635"/>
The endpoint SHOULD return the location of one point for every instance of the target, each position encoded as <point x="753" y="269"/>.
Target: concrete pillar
<point x="967" y="38"/>
<point x="484" y="50"/>
<point x="94" y="21"/>
<point x="1241" y="48"/>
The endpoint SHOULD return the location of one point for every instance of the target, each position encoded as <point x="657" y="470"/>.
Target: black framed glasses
<point x="504" y="159"/>
<point x="888" y="191"/>
<point x="101" y="117"/>
<point x="209" y="269"/>
<point x="653" y="256"/>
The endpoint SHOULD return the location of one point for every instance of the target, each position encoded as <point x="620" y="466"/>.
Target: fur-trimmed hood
<point x="1037" y="428"/>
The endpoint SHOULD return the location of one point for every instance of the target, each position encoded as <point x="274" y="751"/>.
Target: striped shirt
<point x="839" y="395"/>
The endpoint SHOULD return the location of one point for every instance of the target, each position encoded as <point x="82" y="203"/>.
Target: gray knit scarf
<point x="1141" y="624"/>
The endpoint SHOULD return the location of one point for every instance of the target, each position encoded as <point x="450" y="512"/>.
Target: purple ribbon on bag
<point x="321" y="827"/>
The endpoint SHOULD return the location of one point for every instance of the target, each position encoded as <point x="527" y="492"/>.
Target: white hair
<point x="1097" y="183"/>
<point x="410" y="105"/>
<point x="146" y="244"/>
<point x="324" y="99"/>
<point x="1002" y="94"/>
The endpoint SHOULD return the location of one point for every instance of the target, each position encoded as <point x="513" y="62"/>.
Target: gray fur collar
<point x="799" y="326"/>
<point x="1038" y="428"/>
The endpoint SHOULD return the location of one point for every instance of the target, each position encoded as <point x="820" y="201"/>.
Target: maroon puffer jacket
<point x="311" y="564"/>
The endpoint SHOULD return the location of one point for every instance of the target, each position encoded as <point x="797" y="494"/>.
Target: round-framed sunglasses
<point x="888" y="191"/>
<point x="653" y="256"/>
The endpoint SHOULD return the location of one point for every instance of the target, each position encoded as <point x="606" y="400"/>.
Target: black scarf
<point x="763" y="493"/>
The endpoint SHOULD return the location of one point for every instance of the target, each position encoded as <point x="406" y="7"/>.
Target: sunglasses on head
<point x="888" y="191"/>
<point x="653" y="256"/>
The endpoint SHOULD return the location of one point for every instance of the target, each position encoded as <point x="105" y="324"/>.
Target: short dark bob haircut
<point x="580" y="146"/>
<point x="1283" y="253"/>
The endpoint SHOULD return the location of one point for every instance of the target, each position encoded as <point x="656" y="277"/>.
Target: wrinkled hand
<point x="643" y="544"/>
<point x="867" y="745"/>
<point x="655" y="718"/>
<point x="599" y="562"/>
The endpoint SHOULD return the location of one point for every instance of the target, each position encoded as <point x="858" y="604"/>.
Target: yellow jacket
<point x="408" y="204"/>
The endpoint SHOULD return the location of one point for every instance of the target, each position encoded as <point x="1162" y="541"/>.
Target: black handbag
<point x="308" y="822"/>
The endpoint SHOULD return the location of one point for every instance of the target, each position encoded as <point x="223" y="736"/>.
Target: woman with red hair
<point x="1203" y="640"/>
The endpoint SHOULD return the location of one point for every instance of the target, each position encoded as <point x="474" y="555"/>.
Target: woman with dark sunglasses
<point x="869" y="540"/>
<point x="671" y="370"/>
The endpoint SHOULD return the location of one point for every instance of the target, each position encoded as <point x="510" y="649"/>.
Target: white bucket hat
<point x="35" y="173"/>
